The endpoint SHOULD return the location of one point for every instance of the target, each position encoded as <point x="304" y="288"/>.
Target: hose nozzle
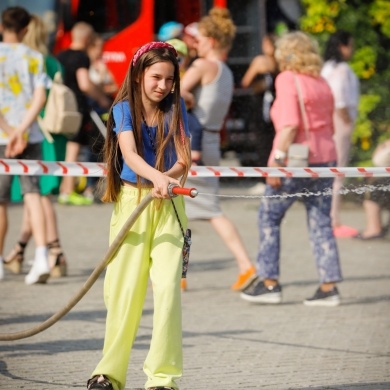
<point x="175" y="190"/>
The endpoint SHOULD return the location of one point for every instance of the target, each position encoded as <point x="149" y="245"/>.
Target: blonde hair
<point x="297" y="52"/>
<point x="36" y="36"/>
<point x="219" y="25"/>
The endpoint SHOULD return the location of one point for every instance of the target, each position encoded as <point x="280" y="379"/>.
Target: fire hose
<point x="173" y="191"/>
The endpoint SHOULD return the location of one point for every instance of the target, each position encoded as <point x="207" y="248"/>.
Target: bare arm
<point x="257" y="66"/>
<point x="90" y="89"/>
<point x="343" y="113"/>
<point x="286" y="138"/>
<point x="18" y="138"/>
<point x="142" y="168"/>
<point x="4" y="125"/>
<point x="191" y="79"/>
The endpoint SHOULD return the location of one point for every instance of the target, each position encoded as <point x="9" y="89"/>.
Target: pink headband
<point x="150" y="46"/>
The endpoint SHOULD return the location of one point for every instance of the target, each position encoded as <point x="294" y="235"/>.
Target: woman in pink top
<point x="300" y="64"/>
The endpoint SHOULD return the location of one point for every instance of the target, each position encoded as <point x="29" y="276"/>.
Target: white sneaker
<point x="1" y="269"/>
<point x="39" y="272"/>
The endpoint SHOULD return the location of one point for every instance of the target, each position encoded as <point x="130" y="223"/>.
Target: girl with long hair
<point x="147" y="148"/>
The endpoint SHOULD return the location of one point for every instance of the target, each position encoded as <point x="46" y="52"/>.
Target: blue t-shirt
<point x="123" y="122"/>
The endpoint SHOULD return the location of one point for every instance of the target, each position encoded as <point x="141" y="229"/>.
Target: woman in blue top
<point x="147" y="148"/>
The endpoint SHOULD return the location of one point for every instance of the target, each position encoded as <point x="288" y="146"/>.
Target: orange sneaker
<point x="245" y="279"/>
<point x="183" y="284"/>
<point x="344" y="231"/>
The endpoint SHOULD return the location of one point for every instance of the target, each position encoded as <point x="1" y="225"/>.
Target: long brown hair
<point x="168" y="113"/>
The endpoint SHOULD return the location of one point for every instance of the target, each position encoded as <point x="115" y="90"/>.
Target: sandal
<point x="13" y="262"/>
<point x="362" y="236"/>
<point x="57" y="261"/>
<point x="99" y="382"/>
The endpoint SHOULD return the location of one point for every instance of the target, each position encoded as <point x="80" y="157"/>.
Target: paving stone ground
<point x="228" y="343"/>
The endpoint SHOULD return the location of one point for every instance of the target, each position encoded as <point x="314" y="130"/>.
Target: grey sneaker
<point x="257" y="292"/>
<point x="321" y="298"/>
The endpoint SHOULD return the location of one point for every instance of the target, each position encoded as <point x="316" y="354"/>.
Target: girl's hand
<point x="160" y="186"/>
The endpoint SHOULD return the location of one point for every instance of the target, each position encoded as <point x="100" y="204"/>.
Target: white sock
<point x="40" y="251"/>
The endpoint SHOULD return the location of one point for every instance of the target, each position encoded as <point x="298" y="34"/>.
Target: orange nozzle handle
<point x="175" y="190"/>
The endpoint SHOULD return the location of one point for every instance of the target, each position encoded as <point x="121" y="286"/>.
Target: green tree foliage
<point x="369" y="23"/>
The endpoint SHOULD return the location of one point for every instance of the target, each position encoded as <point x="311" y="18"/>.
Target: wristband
<point x="279" y="155"/>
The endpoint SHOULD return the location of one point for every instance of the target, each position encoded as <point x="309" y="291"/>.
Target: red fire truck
<point x="127" y="24"/>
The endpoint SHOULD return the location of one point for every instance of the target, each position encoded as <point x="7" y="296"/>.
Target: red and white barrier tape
<point x="61" y="168"/>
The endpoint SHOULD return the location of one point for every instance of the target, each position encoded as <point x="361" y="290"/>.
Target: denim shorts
<point x="29" y="184"/>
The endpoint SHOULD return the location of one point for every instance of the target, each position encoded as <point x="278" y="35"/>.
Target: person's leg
<point x="50" y="218"/>
<point x="125" y="287"/>
<point x="25" y="228"/>
<point x="72" y="153"/>
<point x="5" y="194"/>
<point x="5" y="189"/>
<point x="271" y="213"/>
<point x="164" y="362"/>
<point x="3" y="232"/>
<point x="39" y="271"/>
<point x="342" y="138"/>
<point x="34" y="208"/>
<point x="14" y="259"/>
<point x="5" y="183"/>
<point x="231" y="238"/>
<point x="373" y="219"/>
<point x="375" y="203"/>
<point x="3" y="226"/>
<point x="57" y="260"/>
<point x="323" y="242"/>
<point x="5" y="197"/>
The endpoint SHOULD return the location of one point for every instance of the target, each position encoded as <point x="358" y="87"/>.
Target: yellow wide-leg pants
<point x="153" y="248"/>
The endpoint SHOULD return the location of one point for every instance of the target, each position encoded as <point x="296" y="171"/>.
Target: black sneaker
<point x="321" y="298"/>
<point x="160" y="388"/>
<point x="99" y="382"/>
<point x="257" y="292"/>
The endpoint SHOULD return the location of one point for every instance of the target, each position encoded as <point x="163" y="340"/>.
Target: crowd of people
<point x="25" y="43"/>
<point x="166" y="116"/>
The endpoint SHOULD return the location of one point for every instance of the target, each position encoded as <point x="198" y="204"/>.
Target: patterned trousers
<point x="318" y="206"/>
